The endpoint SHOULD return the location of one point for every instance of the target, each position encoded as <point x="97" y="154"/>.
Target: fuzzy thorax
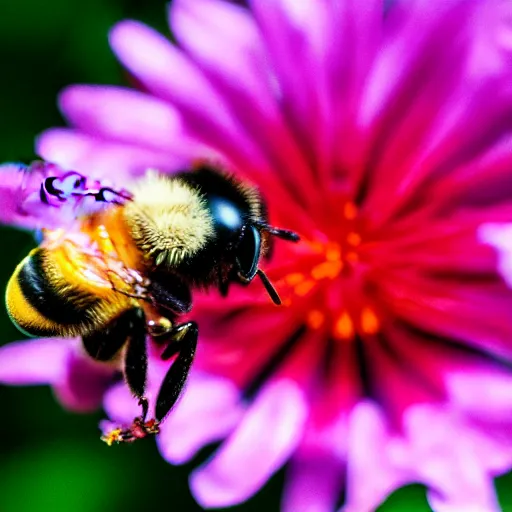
<point x="167" y="219"/>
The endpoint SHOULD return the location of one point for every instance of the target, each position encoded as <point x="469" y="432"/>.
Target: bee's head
<point x="203" y="225"/>
<point x="241" y="234"/>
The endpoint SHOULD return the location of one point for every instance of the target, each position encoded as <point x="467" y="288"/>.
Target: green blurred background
<point x="51" y="460"/>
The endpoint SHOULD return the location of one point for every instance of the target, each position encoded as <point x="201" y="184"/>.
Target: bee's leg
<point x="103" y="345"/>
<point x="182" y="341"/>
<point x="128" y="328"/>
<point x="169" y="292"/>
<point x="136" y="357"/>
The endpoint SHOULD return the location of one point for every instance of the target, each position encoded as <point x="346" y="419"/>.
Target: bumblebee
<point x="126" y="269"/>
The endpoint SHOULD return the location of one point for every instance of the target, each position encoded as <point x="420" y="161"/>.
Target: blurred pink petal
<point x="92" y="155"/>
<point x="125" y="116"/>
<point x="371" y="473"/>
<point x="482" y="393"/>
<point x="11" y="176"/>
<point x="40" y="361"/>
<point x="312" y="483"/>
<point x="265" y="438"/>
<point x="208" y="411"/>
<point x="453" y="459"/>
<point x="78" y="382"/>
<point x="499" y="236"/>
<point x="317" y="467"/>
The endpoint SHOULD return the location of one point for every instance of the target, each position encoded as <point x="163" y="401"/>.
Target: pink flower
<point x="384" y="139"/>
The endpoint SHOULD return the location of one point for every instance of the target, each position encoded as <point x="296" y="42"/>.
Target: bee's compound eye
<point x="227" y="217"/>
<point x="248" y="253"/>
<point x="159" y="327"/>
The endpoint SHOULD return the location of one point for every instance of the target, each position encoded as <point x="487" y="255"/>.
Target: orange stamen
<point x="315" y="319"/>
<point x="352" y="257"/>
<point x="354" y="239"/>
<point x="294" y="279"/>
<point x="344" y="328"/>
<point x="305" y="287"/>
<point x="333" y="252"/>
<point x="326" y="269"/>
<point x="369" y="322"/>
<point x="350" y="211"/>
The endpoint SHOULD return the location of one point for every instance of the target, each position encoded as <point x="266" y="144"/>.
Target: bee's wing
<point x="57" y="198"/>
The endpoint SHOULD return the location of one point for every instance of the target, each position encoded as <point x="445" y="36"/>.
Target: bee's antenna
<point x="285" y="234"/>
<point x="268" y="286"/>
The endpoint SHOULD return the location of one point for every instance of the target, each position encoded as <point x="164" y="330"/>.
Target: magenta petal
<point x="125" y="115"/>
<point x="313" y="483"/>
<point x="120" y="405"/>
<point x="372" y="474"/>
<point x="268" y="434"/>
<point x="78" y="382"/>
<point x="165" y="70"/>
<point x="316" y="473"/>
<point x="223" y="35"/>
<point x="485" y="394"/>
<point x="208" y="411"/>
<point x="97" y="157"/>
<point x="84" y="383"/>
<point x="456" y="461"/>
<point x="223" y="40"/>
<point x="206" y="113"/>
<point x="11" y="176"/>
<point x="499" y="236"/>
<point x="41" y="361"/>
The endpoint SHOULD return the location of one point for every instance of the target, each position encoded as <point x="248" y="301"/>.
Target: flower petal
<point x="39" y="361"/>
<point x="78" y="382"/>
<point x="482" y="393"/>
<point x="94" y="156"/>
<point x="372" y="474"/>
<point x="468" y="83"/>
<point x="226" y="45"/>
<point x="120" y="405"/>
<point x="499" y="236"/>
<point x="123" y="115"/>
<point x="453" y="459"/>
<point x="313" y="483"/>
<point x="11" y="177"/>
<point x="316" y="473"/>
<point x="208" y="411"/>
<point x="465" y="314"/>
<point x="206" y="113"/>
<point x="267" y="435"/>
<point x="328" y="38"/>
<point x="84" y="383"/>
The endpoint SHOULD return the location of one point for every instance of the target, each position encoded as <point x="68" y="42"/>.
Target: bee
<point x="116" y="267"/>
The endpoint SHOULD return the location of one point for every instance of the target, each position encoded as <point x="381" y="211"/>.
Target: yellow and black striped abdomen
<point x="44" y="299"/>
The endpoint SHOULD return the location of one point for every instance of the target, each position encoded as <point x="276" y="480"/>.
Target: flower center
<point x="333" y="277"/>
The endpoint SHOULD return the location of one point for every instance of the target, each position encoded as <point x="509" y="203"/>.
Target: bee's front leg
<point x="136" y="357"/>
<point x="182" y="341"/>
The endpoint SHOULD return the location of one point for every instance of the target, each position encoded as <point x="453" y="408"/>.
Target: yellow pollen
<point x="344" y="328"/>
<point x="354" y="239"/>
<point x="112" y="437"/>
<point x="315" y="319"/>
<point x="295" y="278"/>
<point x="304" y="288"/>
<point x="369" y="322"/>
<point x="327" y="269"/>
<point x="350" y="211"/>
